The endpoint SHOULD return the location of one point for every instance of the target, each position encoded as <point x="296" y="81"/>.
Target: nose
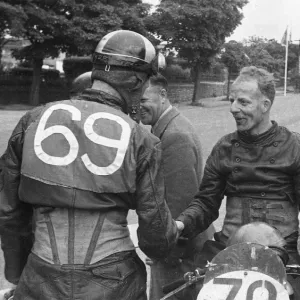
<point x="234" y="107"/>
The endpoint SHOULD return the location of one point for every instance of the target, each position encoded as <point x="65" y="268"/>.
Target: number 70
<point x="237" y="283"/>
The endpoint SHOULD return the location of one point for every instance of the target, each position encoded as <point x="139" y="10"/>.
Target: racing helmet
<point x="127" y="50"/>
<point x="261" y="233"/>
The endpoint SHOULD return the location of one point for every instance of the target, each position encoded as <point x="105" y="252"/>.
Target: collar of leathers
<point x="259" y="138"/>
<point x="104" y="98"/>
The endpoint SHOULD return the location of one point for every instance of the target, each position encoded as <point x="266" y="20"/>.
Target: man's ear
<point x="266" y="103"/>
<point x="163" y="93"/>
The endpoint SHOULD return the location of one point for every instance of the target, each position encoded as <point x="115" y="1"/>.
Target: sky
<point x="266" y="18"/>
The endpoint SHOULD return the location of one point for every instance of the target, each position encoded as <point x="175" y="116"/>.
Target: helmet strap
<point x="134" y="109"/>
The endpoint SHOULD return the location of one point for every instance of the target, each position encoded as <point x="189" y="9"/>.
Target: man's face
<point x="248" y="105"/>
<point x="152" y="104"/>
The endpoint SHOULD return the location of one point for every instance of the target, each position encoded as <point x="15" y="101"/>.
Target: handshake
<point x="175" y="256"/>
<point x="180" y="227"/>
<point x="7" y="294"/>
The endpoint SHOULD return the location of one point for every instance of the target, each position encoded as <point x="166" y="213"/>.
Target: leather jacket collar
<point x="259" y="139"/>
<point x="104" y="98"/>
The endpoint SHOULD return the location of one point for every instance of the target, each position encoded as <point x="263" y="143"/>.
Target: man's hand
<point x="174" y="257"/>
<point x="8" y="293"/>
<point x="180" y="227"/>
<point x="177" y="253"/>
<point x="149" y="261"/>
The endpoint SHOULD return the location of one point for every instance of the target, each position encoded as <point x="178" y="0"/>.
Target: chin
<point x="144" y="122"/>
<point x="243" y="129"/>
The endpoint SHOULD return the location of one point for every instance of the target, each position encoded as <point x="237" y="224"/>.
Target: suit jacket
<point x="182" y="163"/>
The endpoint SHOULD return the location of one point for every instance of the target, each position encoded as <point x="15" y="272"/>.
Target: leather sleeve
<point x="15" y="216"/>
<point x="296" y="180"/>
<point x="157" y="231"/>
<point x="204" y="209"/>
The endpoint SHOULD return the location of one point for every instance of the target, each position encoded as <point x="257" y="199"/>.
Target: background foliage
<point x="71" y="26"/>
<point x="196" y="28"/>
<point x="194" y="31"/>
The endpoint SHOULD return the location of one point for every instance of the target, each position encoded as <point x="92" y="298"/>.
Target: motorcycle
<point x="253" y="266"/>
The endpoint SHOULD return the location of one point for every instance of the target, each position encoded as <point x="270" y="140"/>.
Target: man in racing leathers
<point x="257" y="167"/>
<point x="71" y="172"/>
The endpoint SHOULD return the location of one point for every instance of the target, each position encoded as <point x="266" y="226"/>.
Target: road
<point x="211" y="122"/>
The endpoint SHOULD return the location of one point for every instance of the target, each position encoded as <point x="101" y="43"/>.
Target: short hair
<point x="160" y="80"/>
<point x="265" y="80"/>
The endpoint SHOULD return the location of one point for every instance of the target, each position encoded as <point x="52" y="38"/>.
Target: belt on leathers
<point x="73" y="236"/>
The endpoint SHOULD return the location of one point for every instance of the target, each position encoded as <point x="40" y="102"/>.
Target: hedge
<point x="22" y="71"/>
<point x="15" y="86"/>
<point x="175" y="73"/>
<point x="23" y="76"/>
<point x="20" y="94"/>
<point x="295" y="81"/>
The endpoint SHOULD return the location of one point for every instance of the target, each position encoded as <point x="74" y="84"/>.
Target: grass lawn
<point x="210" y="121"/>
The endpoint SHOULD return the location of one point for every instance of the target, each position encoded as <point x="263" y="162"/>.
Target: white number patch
<point x="243" y="285"/>
<point x="121" y="145"/>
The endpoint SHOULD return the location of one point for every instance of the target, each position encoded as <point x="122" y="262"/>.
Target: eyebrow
<point x="239" y="99"/>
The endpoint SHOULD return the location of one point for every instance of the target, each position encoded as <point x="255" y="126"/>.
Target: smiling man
<point x="183" y="168"/>
<point x="257" y="167"/>
<point x="249" y="107"/>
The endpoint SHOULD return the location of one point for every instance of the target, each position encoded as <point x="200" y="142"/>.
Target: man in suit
<point x="182" y="163"/>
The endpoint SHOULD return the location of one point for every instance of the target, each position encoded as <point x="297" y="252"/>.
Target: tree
<point x="234" y="58"/>
<point x="11" y="20"/>
<point x="196" y="28"/>
<point x="71" y="26"/>
<point x="269" y="54"/>
<point x="257" y="48"/>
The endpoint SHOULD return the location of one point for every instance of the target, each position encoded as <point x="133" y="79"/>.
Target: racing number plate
<point x="243" y="285"/>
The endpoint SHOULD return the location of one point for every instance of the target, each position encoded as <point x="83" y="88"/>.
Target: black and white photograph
<point x="149" y="149"/>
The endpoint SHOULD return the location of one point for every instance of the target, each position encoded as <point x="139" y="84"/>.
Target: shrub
<point x="295" y="81"/>
<point x="24" y="76"/>
<point x="21" y="71"/>
<point x="175" y="73"/>
<point x="15" y="86"/>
